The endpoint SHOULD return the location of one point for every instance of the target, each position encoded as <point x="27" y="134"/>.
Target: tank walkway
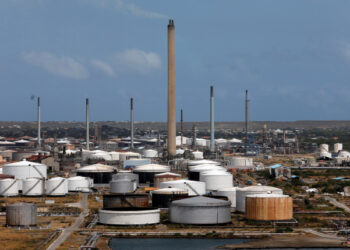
<point x="67" y="231"/>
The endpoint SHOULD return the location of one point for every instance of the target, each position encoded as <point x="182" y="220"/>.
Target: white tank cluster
<point x="8" y="187"/>
<point x="25" y="169"/>
<point x="215" y="180"/>
<point x="56" y="186"/>
<point x="80" y="184"/>
<point x="242" y="193"/>
<point x="193" y="187"/>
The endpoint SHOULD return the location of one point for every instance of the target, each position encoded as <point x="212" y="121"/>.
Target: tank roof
<point x="260" y="188"/>
<point x="267" y="196"/>
<point x="96" y="168"/>
<point x="170" y="191"/>
<point x="201" y="201"/>
<point x="152" y="168"/>
<point x="201" y="162"/>
<point x="167" y="174"/>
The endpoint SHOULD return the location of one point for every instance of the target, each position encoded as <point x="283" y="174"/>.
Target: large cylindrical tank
<point x="150" y="153"/>
<point x="202" y="162"/>
<point x="194" y="171"/>
<point x="129" y="216"/>
<point x="198" y="155"/>
<point x="100" y="173"/>
<point x="163" y="177"/>
<point x="338" y="147"/>
<point x="215" y="180"/>
<point x="324" y="148"/>
<point x="127" y="175"/>
<point x="125" y="200"/>
<point x="21" y="214"/>
<point x="193" y="187"/>
<point x="147" y="172"/>
<point x="161" y="198"/>
<point x="56" y="186"/>
<point x="122" y="186"/>
<point x="200" y="210"/>
<point x="241" y="193"/>
<point x="269" y="207"/>
<point x="229" y="192"/>
<point x="25" y="169"/>
<point x="79" y="184"/>
<point x="8" y="187"/>
<point x="33" y="187"/>
<point x="241" y="161"/>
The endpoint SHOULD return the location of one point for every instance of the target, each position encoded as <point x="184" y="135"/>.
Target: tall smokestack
<point x="131" y="123"/>
<point x="212" y="139"/>
<point x="39" y="128"/>
<point x="87" y="125"/>
<point x="171" y="90"/>
<point x="246" y="118"/>
<point x="181" y="125"/>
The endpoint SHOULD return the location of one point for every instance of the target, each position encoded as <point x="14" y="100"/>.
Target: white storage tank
<point x="338" y="147"/>
<point x="150" y="153"/>
<point x="241" y="162"/>
<point x="122" y="186"/>
<point x="202" y="162"/>
<point x="198" y="155"/>
<point x="200" y="211"/>
<point x="79" y="184"/>
<point x="229" y="192"/>
<point x="100" y="173"/>
<point x="56" y="186"/>
<point x="241" y="194"/>
<point x="33" y="187"/>
<point x="193" y="187"/>
<point x="194" y="171"/>
<point x="163" y="177"/>
<point x="129" y="216"/>
<point x="114" y="155"/>
<point x="324" y="148"/>
<point x="8" y="187"/>
<point x="127" y="175"/>
<point x="215" y="180"/>
<point x="25" y="169"/>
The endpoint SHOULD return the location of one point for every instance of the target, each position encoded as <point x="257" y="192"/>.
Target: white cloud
<point x="131" y="8"/>
<point x="60" y="66"/>
<point x="103" y="66"/>
<point x="139" y="61"/>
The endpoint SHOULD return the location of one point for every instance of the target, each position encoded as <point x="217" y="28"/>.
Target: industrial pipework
<point x="171" y="90"/>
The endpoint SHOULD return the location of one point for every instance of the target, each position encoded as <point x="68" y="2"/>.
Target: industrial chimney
<point x="39" y="128"/>
<point x="181" y="126"/>
<point x="131" y="123"/>
<point x="246" y="118"/>
<point x="87" y="125"/>
<point x="171" y="90"/>
<point x="212" y="139"/>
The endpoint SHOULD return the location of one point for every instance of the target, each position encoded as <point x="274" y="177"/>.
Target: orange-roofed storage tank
<point x="269" y="207"/>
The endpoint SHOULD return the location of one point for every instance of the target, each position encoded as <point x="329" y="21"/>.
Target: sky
<point x="292" y="55"/>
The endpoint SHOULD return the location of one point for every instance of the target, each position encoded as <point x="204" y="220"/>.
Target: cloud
<point x="138" y="60"/>
<point x="103" y="66"/>
<point x="60" y="66"/>
<point x="130" y="8"/>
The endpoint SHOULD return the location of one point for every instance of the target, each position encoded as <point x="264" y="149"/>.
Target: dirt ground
<point x="286" y="241"/>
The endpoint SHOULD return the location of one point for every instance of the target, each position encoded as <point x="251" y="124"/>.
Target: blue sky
<point x="293" y="57"/>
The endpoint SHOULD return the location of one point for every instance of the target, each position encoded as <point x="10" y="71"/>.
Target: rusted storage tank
<point x="161" y="198"/>
<point x="21" y="214"/>
<point x="163" y="177"/>
<point x="269" y="207"/>
<point x="125" y="200"/>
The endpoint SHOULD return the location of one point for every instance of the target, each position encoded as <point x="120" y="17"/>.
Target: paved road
<point x="323" y="235"/>
<point x="337" y="203"/>
<point x="67" y="231"/>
